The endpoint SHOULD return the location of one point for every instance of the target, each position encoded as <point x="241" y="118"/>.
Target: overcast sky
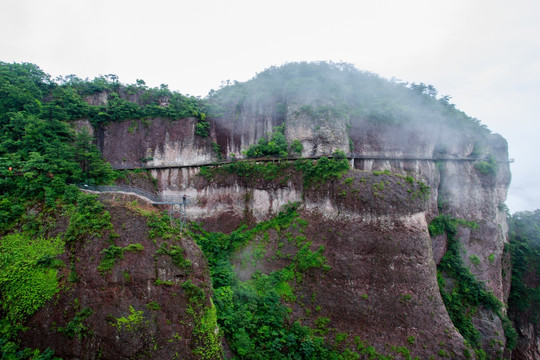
<point x="485" y="54"/>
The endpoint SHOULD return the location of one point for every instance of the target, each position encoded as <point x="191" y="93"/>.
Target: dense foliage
<point x="466" y="294"/>
<point x="311" y="171"/>
<point x="132" y="101"/>
<point x="39" y="155"/>
<point x="41" y="158"/>
<point x="488" y="166"/>
<point x="341" y="90"/>
<point x="525" y="249"/>
<point x="252" y="313"/>
<point x="323" y="169"/>
<point x="274" y="145"/>
<point x="24" y="87"/>
<point x="28" y="267"/>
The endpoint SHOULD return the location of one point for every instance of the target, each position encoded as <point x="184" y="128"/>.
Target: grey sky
<point x="485" y="54"/>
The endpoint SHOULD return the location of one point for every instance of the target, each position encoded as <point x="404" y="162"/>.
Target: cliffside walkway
<point x="154" y="199"/>
<point x="177" y="204"/>
<point x="351" y="157"/>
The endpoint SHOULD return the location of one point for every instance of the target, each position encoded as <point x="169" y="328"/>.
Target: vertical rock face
<point x="320" y="134"/>
<point x="467" y="193"/>
<point x="155" y="142"/>
<point x="459" y="187"/>
<point x="140" y="307"/>
<point x="381" y="286"/>
<point x="382" y="249"/>
<point x="244" y="126"/>
<point x="529" y="346"/>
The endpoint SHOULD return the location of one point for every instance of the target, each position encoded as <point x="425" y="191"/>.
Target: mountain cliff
<point x="335" y="215"/>
<point x="381" y="126"/>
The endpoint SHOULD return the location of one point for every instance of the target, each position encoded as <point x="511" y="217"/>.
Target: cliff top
<point x="320" y="88"/>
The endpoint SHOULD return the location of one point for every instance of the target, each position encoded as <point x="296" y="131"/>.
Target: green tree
<point x="525" y="249"/>
<point x="90" y="160"/>
<point x="22" y="87"/>
<point x="274" y="144"/>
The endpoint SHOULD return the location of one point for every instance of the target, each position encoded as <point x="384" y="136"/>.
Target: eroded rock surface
<point x="466" y="170"/>
<point x="144" y="288"/>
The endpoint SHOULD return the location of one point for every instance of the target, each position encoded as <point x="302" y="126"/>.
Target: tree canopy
<point x="345" y="90"/>
<point x="525" y="249"/>
<point x="40" y="153"/>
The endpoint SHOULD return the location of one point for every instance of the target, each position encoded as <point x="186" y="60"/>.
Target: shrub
<point x="76" y="326"/>
<point x="177" y="255"/>
<point x="323" y="169"/>
<point x="202" y="128"/>
<point x="296" y="147"/>
<point x="273" y="144"/>
<point x="487" y="167"/>
<point x="152" y="305"/>
<point x="133" y="322"/>
<point x="113" y="253"/>
<point x="475" y="260"/>
<point x="28" y="278"/>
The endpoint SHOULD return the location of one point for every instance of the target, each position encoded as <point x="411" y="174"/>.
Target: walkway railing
<point x="177" y="204"/>
<point x="353" y="157"/>
<point x="155" y="199"/>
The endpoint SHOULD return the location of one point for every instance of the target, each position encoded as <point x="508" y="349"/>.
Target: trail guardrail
<point x="353" y="157"/>
<point x="155" y="199"/>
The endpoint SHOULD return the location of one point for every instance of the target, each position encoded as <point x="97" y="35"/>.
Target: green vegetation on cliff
<point x="525" y="249"/>
<point x="340" y="90"/>
<point x="24" y="87"/>
<point x="71" y="99"/>
<point x="29" y="262"/>
<point x="41" y="156"/>
<point x="462" y="294"/>
<point x="311" y="171"/>
<point x="28" y="266"/>
<point x="274" y="145"/>
<point x="205" y="336"/>
<point x="252" y="313"/>
<point x="256" y="276"/>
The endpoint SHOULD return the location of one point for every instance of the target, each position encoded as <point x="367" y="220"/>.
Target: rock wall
<point x="144" y="287"/>
<point x="529" y="331"/>
<point x="382" y="283"/>
<point x="155" y="142"/>
<point x="458" y="188"/>
<point x="320" y="134"/>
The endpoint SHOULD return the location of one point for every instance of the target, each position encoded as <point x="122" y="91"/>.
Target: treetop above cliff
<point x="25" y="87"/>
<point x="339" y="88"/>
<point x="345" y="91"/>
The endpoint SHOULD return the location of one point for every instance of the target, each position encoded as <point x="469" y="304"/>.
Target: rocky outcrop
<point x="155" y="142"/>
<point x="141" y="307"/>
<point x="467" y="172"/>
<point x="529" y="344"/>
<point x="381" y="286"/>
